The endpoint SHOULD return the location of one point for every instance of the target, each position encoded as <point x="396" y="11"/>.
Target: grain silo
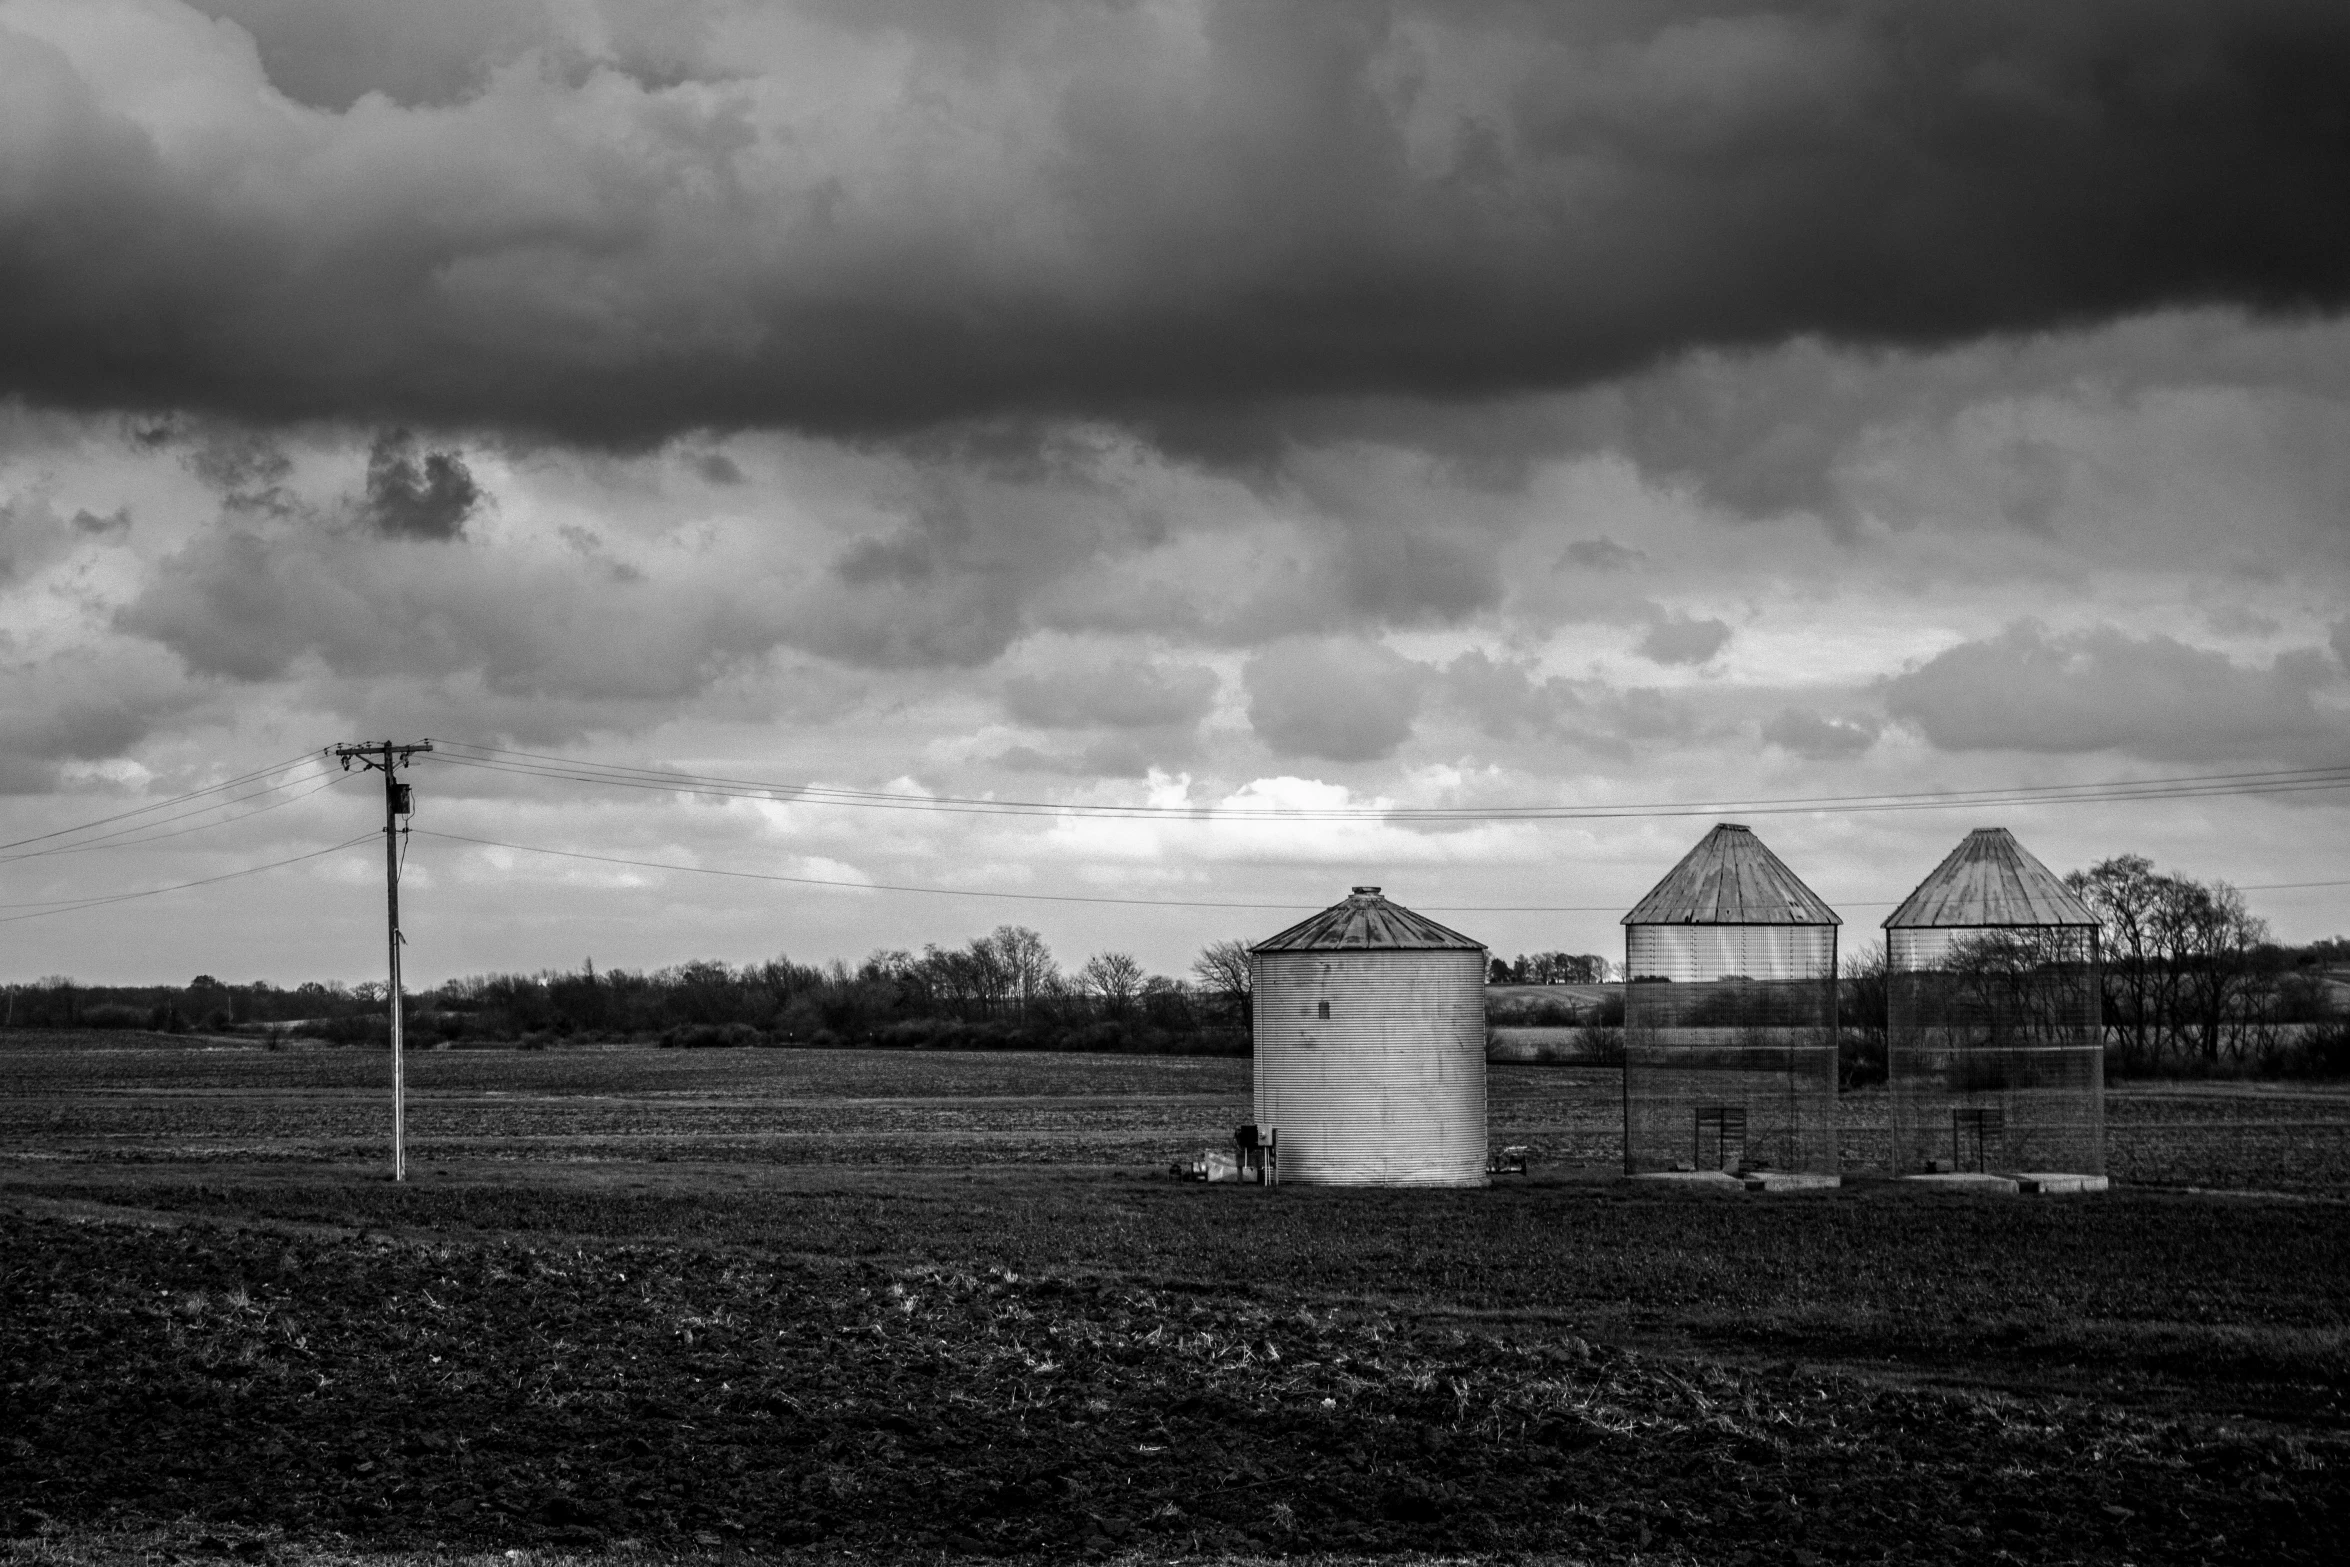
<point x="1730" y="1017"/>
<point x="1370" y="1048"/>
<point x="1994" y="1049"/>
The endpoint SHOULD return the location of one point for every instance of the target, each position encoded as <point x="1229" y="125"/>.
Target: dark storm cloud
<point x="34" y="536"/>
<point x="2033" y="689"/>
<point x="858" y="220"/>
<point x="81" y="705"/>
<point x="311" y="602"/>
<point x="417" y="497"/>
<point x="1113" y="756"/>
<point x="950" y="584"/>
<point x="1807" y="733"/>
<point x="329" y="53"/>
<point x="1118" y="693"/>
<point x="1399" y="574"/>
<point x="717" y="468"/>
<point x="1683" y="639"/>
<point x="1338" y="701"/>
<point x="1504" y="700"/>
<point x="244" y="467"/>
<point x="1601" y="554"/>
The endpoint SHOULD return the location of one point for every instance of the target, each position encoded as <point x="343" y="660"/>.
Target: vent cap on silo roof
<point x="1367" y="922"/>
<point x="1731" y="878"/>
<point x="1990" y="879"/>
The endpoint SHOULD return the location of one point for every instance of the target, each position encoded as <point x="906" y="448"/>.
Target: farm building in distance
<point x="1730" y="1017"/>
<point x="1370" y="1048"/>
<point x="1994" y="1052"/>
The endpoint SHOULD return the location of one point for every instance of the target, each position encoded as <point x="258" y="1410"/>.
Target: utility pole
<point x="399" y="801"/>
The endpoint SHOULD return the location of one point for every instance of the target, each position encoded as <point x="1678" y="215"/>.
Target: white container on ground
<point x="1370" y="1048"/>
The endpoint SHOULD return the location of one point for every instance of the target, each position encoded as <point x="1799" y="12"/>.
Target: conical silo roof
<point x="1730" y="878"/>
<point x="1366" y="921"/>
<point x="1990" y="879"/>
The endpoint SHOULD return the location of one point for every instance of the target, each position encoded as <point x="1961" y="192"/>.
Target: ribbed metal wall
<point x="1389" y="1088"/>
<point x="1735" y="1018"/>
<point x="1690" y="954"/>
<point x="2002" y="1023"/>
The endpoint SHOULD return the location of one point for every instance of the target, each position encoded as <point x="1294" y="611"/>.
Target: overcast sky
<point x="1155" y="402"/>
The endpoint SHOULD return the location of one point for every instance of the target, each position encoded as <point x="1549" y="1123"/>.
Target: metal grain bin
<point x="1370" y="1048"/>
<point x="1994" y="1054"/>
<point x="1730" y="1017"/>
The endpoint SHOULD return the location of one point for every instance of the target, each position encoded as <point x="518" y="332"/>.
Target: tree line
<point x="1549" y="968"/>
<point x="1003" y="990"/>
<point x="2192" y="982"/>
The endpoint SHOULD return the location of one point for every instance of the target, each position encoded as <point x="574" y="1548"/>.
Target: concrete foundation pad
<point x="1966" y="1181"/>
<point x="1789" y="1181"/>
<point x="2051" y="1182"/>
<point x="1718" y="1178"/>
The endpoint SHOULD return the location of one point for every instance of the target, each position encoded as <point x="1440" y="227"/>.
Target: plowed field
<point x="863" y="1306"/>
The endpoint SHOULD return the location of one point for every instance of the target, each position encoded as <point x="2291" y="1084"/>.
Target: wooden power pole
<point x="385" y="757"/>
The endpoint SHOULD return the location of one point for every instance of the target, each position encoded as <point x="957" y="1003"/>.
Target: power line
<point x="540" y="765"/>
<point x="75" y="905"/>
<point x="855" y="886"/>
<point x="1062" y="897"/>
<point x="129" y="837"/>
<point x="589" y="771"/>
<point x="159" y="805"/>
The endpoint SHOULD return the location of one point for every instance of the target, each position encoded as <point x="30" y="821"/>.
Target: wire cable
<point x="853" y="886"/>
<point x="121" y="837"/>
<point x="671" y="779"/>
<point x="538" y="765"/>
<point x="178" y="799"/>
<point x="75" y="905"/>
<point x="1062" y="897"/>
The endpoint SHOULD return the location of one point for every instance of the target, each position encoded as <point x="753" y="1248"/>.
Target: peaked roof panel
<point x="1731" y="878"/>
<point x="1990" y="879"/>
<point x="1366" y="921"/>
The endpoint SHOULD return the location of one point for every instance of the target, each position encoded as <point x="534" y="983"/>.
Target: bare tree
<point x="1113" y="978"/>
<point x="2124" y="893"/>
<point x="1028" y="963"/>
<point x="2182" y="962"/>
<point x="1223" y="972"/>
<point x="1863" y="1006"/>
<point x="2213" y="940"/>
<point x="2025" y="986"/>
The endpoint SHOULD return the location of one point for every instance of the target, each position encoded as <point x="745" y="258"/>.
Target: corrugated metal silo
<point x="1370" y="1048"/>
<point x="1730" y="1017"/>
<point x="1995" y="1050"/>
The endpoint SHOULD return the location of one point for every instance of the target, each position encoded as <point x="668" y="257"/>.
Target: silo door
<point x="1977" y="1138"/>
<point x="1721" y="1137"/>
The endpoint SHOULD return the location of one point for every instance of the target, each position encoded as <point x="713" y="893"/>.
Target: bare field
<point x="853" y="1306"/>
<point x="138" y="1098"/>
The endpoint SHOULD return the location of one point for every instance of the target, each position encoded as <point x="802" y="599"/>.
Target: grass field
<point x="863" y="1304"/>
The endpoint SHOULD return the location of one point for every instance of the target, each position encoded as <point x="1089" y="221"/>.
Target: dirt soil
<point x="218" y="1340"/>
<point x="252" y="1382"/>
